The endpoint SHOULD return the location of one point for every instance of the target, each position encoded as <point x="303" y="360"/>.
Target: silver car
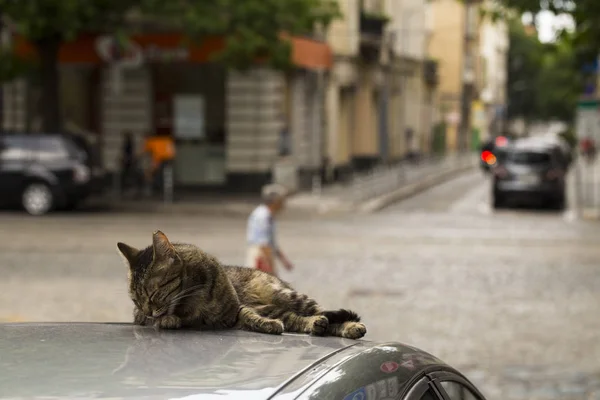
<point x="100" y="360"/>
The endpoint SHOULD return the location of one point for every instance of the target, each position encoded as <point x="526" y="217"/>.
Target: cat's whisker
<point x="187" y="292"/>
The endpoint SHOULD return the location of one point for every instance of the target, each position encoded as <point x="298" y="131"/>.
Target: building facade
<point x="494" y="52"/>
<point x="455" y="42"/>
<point x="414" y="78"/>
<point x="380" y="92"/>
<point x="228" y="126"/>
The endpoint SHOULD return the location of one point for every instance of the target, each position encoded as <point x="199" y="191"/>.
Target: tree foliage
<point x="253" y="29"/>
<point x="543" y="79"/>
<point x="585" y="14"/>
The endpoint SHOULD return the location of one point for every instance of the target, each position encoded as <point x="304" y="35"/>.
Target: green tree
<point x="252" y="27"/>
<point x="585" y="13"/>
<point x="559" y="82"/>
<point x="543" y="79"/>
<point x="524" y="64"/>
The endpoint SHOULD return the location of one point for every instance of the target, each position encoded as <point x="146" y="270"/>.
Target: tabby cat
<point x="177" y="285"/>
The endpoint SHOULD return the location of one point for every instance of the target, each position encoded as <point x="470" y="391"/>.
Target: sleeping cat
<point x="176" y="285"/>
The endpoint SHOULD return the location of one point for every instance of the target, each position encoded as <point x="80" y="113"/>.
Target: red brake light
<point x="488" y="157"/>
<point x="501" y="141"/>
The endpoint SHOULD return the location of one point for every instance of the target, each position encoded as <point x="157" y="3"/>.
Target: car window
<point x="429" y="395"/>
<point x="13" y="148"/>
<point x="50" y="147"/>
<point x="456" y="391"/>
<point x="529" y="157"/>
<point x="74" y="149"/>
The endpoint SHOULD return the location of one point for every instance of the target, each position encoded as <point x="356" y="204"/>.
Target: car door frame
<point x="419" y="388"/>
<point x="436" y="379"/>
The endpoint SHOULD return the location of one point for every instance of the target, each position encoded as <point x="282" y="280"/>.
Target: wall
<point x="130" y="109"/>
<point x="255" y="105"/>
<point x="446" y="45"/>
<point x="409" y="22"/>
<point x="366" y="138"/>
<point x="494" y="49"/>
<point x="14" y="95"/>
<point x="343" y="34"/>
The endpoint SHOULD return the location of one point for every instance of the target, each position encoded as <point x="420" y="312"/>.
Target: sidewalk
<point x="366" y="194"/>
<point x="380" y="189"/>
<point x="588" y="188"/>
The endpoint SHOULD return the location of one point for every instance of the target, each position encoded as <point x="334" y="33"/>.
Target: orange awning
<point x="153" y="47"/>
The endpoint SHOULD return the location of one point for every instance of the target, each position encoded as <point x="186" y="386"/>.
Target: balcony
<point x="371" y="34"/>
<point x="431" y="73"/>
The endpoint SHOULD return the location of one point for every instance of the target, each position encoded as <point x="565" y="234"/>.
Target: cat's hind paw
<point x="354" y="330"/>
<point x="320" y="326"/>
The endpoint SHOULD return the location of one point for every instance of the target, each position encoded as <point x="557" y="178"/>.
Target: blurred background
<point x="441" y="157"/>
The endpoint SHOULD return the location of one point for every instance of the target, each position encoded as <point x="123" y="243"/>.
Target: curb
<point x="381" y="202"/>
<point x="322" y="210"/>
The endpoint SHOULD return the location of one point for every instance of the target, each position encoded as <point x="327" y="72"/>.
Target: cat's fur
<point x="177" y="285"/>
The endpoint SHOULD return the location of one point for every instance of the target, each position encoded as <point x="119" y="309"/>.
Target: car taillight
<point x="488" y="157"/>
<point x="554" y="174"/>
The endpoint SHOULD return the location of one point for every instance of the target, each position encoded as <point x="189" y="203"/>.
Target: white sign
<point x="135" y="54"/>
<point x="189" y="116"/>
<point x="588" y="123"/>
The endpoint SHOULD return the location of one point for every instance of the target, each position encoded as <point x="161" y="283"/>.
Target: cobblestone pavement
<point x="508" y="297"/>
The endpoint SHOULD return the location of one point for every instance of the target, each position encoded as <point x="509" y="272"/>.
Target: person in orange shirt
<point x="161" y="150"/>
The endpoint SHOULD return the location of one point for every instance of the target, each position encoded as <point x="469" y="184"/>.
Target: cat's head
<point x="155" y="275"/>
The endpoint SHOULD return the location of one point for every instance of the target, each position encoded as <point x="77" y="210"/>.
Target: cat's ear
<point x="128" y="253"/>
<point x="163" y="251"/>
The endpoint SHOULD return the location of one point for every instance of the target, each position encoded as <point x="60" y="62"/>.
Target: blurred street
<point x="507" y="297"/>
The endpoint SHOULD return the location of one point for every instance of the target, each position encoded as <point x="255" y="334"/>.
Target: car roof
<point x="126" y="361"/>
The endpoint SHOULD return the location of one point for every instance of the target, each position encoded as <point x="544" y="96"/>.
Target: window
<point x="529" y="157"/>
<point x="456" y="391"/>
<point x="13" y="148"/>
<point x="50" y="147"/>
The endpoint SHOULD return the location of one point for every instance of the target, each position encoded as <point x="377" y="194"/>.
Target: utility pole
<point x="468" y="78"/>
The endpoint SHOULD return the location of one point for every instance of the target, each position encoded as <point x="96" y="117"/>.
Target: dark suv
<point x="41" y="172"/>
<point x="530" y="170"/>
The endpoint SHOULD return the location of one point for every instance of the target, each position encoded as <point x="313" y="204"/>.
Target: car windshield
<point x="74" y="150"/>
<point x="528" y="157"/>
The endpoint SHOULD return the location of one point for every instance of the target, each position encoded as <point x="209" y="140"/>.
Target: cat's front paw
<point x="139" y="318"/>
<point x="168" y="322"/>
<point x="320" y="326"/>
<point x="272" y="327"/>
<point x="354" y="330"/>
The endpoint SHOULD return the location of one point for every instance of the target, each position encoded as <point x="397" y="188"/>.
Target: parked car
<point x="530" y="170"/>
<point x="103" y="360"/>
<point x="42" y="172"/>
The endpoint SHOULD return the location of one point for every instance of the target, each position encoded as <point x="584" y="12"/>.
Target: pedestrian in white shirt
<point x="261" y="234"/>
